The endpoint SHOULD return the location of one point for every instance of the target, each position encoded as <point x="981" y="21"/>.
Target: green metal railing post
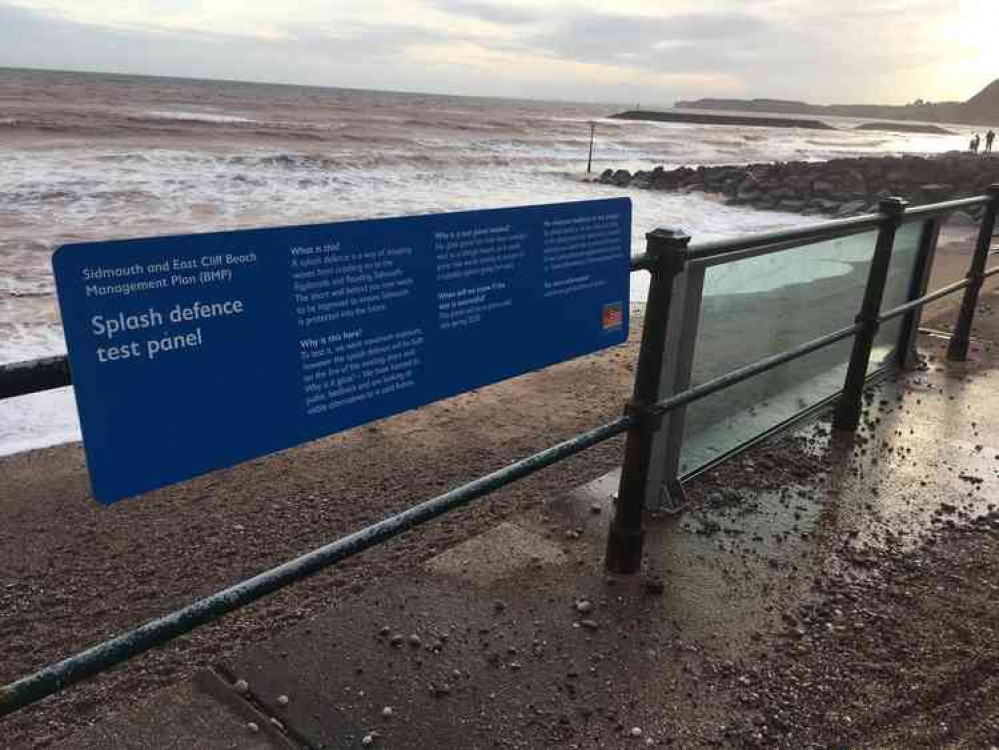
<point x="957" y="351"/>
<point x="626" y="535"/>
<point x="847" y="414"/>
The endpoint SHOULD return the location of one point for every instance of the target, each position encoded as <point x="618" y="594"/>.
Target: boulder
<point x="826" y="206"/>
<point x="663" y="180"/>
<point x="936" y="192"/>
<point x="731" y="186"/>
<point x="823" y="187"/>
<point x="621" y="178"/>
<point x="853" y="207"/>
<point x="853" y="182"/>
<point x="748" y="190"/>
<point x="791" y="205"/>
<point x="607" y="176"/>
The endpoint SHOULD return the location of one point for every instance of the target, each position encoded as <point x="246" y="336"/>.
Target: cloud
<point x="491" y="12"/>
<point x="684" y="42"/>
<point x="649" y="50"/>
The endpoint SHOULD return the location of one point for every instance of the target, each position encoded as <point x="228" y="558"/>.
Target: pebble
<point x="595" y="508"/>
<point x="368" y="740"/>
<point x="252" y="726"/>
<point x="589" y="624"/>
<point x="282" y="700"/>
<point x="440" y="690"/>
<point x="415" y="641"/>
<point x="583" y="606"/>
<point x="636" y="731"/>
<point x="387" y="712"/>
<point x="655" y="587"/>
<point x="242" y="687"/>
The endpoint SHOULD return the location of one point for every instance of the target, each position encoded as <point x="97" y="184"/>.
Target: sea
<point x="96" y="156"/>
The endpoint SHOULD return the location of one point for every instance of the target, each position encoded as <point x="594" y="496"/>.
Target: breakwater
<point x="839" y="187"/>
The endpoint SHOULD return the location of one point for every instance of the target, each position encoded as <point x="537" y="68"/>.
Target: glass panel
<point x="757" y="307"/>
<point x="720" y="423"/>
<point x="903" y="263"/>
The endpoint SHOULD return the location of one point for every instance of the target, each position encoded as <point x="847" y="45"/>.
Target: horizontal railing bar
<point x="22" y="378"/>
<point x="642" y="262"/>
<point x="776" y="247"/>
<point x="933" y="209"/>
<point x="932" y="296"/>
<point x="103" y="656"/>
<point x="838" y="227"/>
<point x="744" y="373"/>
<point x="925" y="300"/>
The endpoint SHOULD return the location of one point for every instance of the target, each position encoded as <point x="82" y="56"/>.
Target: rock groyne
<point x="700" y="118"/>
<point x="840" y="187"/>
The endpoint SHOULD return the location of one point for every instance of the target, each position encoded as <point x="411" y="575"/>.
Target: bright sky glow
<point x="624" y="51"/>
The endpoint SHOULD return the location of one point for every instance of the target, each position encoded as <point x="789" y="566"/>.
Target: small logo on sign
<point x="613" y="316"/>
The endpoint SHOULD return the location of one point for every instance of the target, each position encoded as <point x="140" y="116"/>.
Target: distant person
<point x="973" y="146"/>
<point x="989" y="137"/>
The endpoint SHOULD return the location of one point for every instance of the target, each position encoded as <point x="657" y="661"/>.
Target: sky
<point x="622" y="51"/>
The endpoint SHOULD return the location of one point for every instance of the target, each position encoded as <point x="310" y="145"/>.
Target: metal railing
<point x="668" y="254"/>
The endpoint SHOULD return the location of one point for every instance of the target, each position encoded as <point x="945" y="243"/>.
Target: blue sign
<point x="194" y="353"/>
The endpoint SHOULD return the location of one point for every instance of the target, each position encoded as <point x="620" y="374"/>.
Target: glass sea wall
<point x="760" y="306"/>
<point x="897" y="287"/>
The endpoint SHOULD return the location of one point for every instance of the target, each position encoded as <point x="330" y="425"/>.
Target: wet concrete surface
<point x="519" y="639"/>
<point x="203" y="712"/>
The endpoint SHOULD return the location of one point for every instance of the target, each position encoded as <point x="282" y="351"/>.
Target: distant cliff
<point x="981" y="109"/>
<point x="985" y="101"/>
